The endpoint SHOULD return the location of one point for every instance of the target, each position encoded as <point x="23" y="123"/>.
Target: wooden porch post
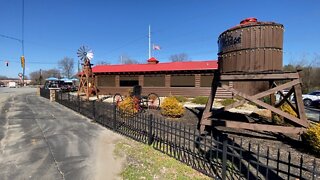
<point x="117" y="81"/>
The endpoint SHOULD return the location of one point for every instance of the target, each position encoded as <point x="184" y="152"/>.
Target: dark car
<point x="68" y="87"/>
<point x="316" y="103"/>
<point x="2" y="84"/>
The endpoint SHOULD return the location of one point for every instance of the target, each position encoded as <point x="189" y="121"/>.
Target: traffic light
<point x="22" y="61"/>
<point x="7" y="63"/>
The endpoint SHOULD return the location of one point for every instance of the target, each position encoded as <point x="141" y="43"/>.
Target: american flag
<point x="156" y="47"/>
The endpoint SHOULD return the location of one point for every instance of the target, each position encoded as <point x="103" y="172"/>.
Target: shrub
<point x="266" y="100"/>
<point x="312" y="138"/>
<point x="227" y="102"/>
<point x="285" y="107"/>
<point x="200" y="100"/>
<point x="171" y="107"/>
<point x="128" y="105"/>
<point x="181" y="99"/>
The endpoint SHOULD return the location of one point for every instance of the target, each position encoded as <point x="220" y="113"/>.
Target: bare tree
<point x="66" y="65"/>
<point x="38" y="77"/>
<point x="124" y="59"/>
<point x="310" y="73"/>
<point x="51" y="73"/>
<point x="35" y="77"/>
<point x="102" y="62"/>
<point x="179" y="57"/>
<point x="3" y="77"/>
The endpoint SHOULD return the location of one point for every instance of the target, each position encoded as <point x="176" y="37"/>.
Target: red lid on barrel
<point x="248" y="20"/>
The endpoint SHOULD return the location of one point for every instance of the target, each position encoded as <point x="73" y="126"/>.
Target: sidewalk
<point x="44" y="140"/>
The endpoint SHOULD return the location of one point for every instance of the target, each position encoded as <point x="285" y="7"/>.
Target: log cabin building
<point x="189" y="79"/>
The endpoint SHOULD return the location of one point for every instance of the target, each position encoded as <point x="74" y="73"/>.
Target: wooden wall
<point x="164" y="91"/>
<point x="200" y="88"/>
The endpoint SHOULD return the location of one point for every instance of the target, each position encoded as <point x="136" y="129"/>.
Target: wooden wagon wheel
<point x="117" y="99"/>
<point x="153" y="101"/>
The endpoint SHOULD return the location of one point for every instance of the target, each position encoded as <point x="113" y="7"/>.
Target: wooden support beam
<point x="272" y="95"/>
<point x="276" y="89"/>
<point x="258" y="127"/>
<point x="235" y="104"/>
<point x="207" y="111"/>
<point x="259" y="76"/>
<point x="299" y="103"/>
<point x="255" y="100"/>
<point x="284" y="97"/>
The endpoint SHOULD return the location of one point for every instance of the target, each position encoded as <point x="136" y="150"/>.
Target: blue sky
<point x="55" y="29"/>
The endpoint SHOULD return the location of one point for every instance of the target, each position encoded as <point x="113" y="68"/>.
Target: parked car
<point x="12" y="84"/>
<point x="68" y="87"/>
<point x="2" y="84"/>
<point x="308" y="99"/>
<point x="316" y="103"/>
<point x="284" y="92"/>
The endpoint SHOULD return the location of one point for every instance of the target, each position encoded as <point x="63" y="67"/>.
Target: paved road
<point x="43" y="140"/>
<point x="313" y="114"/>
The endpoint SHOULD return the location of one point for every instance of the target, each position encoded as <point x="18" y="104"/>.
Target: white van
<point x="12" y="85"/>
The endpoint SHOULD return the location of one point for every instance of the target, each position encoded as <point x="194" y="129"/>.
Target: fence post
<point x="150" y="137"/>
<point x="79" y="103"/>
<point x="224" y="156"/>
<point x="114" y="117"/>
<point x="60" y="100"/>
<point x="68" y="97"/>
<point x="94" y="110"/>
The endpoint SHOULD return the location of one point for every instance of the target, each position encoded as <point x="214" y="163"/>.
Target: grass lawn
<point x="144" y="162"/>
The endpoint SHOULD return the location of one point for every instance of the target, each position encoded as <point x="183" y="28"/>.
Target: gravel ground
<point x="259" y="140"/>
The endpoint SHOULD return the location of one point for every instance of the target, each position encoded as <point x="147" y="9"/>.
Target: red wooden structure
<point x="87" y="81"/>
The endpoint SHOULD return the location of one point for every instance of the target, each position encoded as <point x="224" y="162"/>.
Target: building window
<point x="129" y="81"/>
<point x="206" y="80"/>
<point x="105" y="80"/>
<point x="154" y="80"/>
<point x="182" y="80"/>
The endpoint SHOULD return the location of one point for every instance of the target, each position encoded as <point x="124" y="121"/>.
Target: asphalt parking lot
<point x="313" y="114"/>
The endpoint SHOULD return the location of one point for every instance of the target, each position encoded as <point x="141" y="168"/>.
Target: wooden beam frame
<point x="255" y="100"/>
<point x="257" y="127"/>
<point x="295" y="87"/>
<point x="259" y="76"/>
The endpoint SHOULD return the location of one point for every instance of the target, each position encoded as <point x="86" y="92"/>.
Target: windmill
<point x="87" y="79"/>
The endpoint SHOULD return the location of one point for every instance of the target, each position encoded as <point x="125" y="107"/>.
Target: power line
<point x="126" y="44"/>
<point x="29" y="62"/>
<point x="10" y="37"/>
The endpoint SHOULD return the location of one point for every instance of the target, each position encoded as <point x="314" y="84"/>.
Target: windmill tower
<point x="87" y="79"/>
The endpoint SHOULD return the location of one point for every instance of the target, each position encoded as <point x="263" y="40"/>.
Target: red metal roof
<point x="153" y="60"/>
<point x="169" y="66"/>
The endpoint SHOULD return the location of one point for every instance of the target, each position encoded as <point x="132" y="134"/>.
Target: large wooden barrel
<point x="251" y="46"/>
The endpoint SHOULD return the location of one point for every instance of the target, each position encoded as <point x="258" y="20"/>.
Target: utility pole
<point x="22" y="42"/>
<point x="78" y="66"/>
<point x="40" y="77"/>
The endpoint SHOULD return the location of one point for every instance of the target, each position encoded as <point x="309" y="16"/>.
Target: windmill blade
<point x="90" y="55"/>
<point x="84" y="53"/>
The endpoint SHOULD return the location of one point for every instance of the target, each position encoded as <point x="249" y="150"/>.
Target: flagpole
<point x="149" y="42"/>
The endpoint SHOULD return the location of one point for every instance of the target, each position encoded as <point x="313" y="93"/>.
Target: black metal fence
<point x="45" y="93"/>
<point x="217" y="156"/>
